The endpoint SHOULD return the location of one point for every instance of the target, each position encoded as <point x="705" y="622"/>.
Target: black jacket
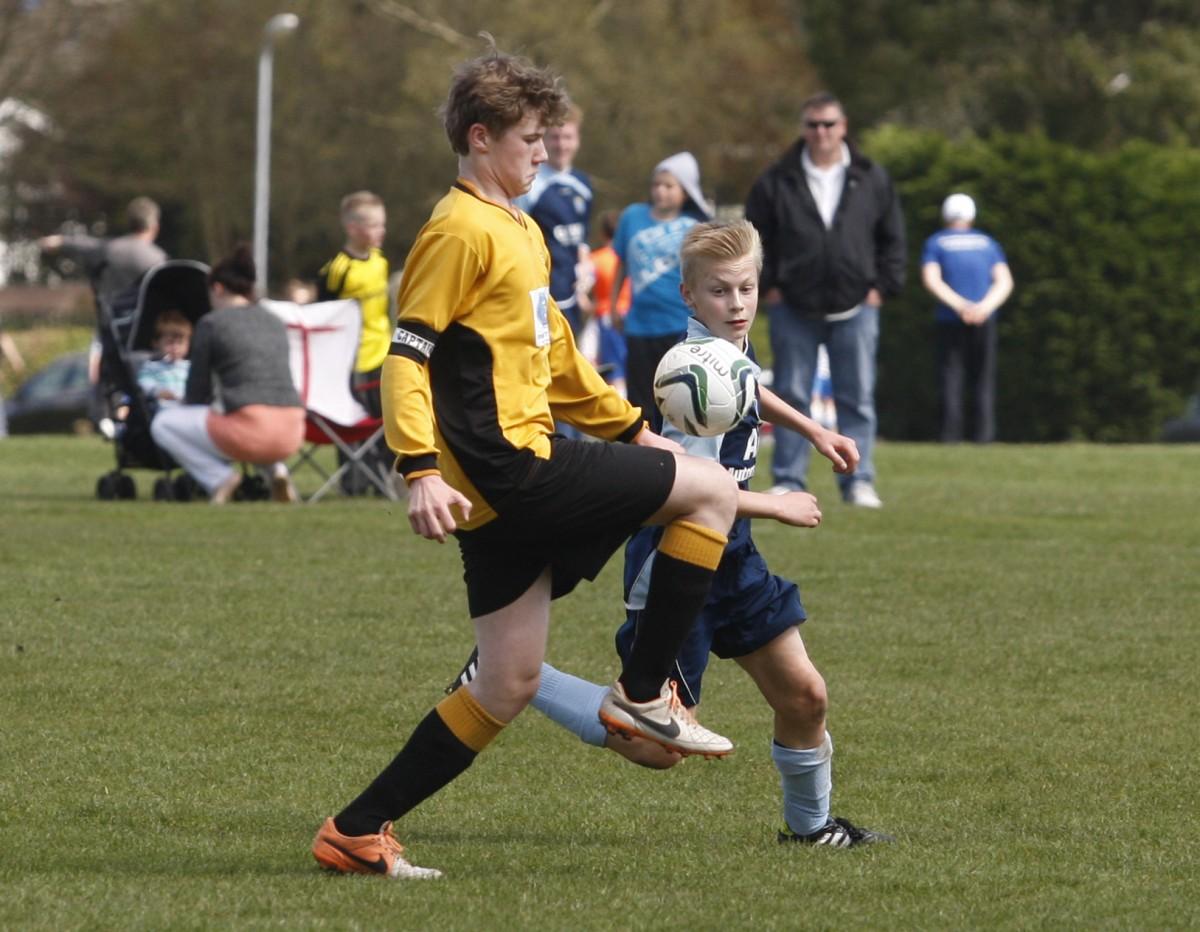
<point x="824" y="271"/>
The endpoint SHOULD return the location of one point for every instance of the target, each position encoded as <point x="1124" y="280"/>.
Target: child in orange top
<point x="611" y="356"/>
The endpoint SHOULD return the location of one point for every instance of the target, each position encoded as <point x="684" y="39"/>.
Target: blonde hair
<point x="353" y="203"/>
<point x="718" y="241"/>
<point x="497" y="90"/>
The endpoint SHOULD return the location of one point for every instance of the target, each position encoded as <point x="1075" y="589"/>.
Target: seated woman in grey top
<point x="239" y="358"/>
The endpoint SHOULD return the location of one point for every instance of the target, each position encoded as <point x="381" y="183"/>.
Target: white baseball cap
<point x="958" y="207"/>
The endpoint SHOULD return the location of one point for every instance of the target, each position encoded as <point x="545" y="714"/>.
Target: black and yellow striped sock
<point x="443" y="745"/>
<point x="687" y="557"/>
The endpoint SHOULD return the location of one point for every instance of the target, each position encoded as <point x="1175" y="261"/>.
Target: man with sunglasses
<point x="833" y="244"/>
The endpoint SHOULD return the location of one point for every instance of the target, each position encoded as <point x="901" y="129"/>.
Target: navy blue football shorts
<point x="571" y="514"/>
<point x="747" y="608"/>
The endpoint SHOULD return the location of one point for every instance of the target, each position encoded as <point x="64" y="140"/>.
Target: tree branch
<point x="430" y="27"/>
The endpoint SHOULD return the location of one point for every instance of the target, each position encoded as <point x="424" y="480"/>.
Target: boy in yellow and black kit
<point x="481" y="365"/>
<point x="360" y="271"/>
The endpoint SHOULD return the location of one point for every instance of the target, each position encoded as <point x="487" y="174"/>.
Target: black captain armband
<point x="413" y="341"/>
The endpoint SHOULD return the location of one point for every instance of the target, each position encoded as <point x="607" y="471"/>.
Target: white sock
<point x="805" y="777"/>
<point x="572" y="703"/>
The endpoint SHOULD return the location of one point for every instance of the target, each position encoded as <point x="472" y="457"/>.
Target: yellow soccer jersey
<point x="365" y="280"/>
<point x="482" y="361"/>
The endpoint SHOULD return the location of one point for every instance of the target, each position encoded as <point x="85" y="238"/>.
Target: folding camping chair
<point x="322" y="346"/>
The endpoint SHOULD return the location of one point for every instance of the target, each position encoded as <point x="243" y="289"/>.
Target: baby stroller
<point x="126" y="330"/>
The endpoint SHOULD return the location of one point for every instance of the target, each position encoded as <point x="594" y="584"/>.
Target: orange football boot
<point x="366" y="854"/>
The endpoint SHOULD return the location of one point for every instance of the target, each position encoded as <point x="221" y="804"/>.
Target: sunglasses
<point x="821" y="124"/>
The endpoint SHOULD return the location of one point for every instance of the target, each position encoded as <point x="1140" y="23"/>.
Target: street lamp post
<point x="277" y="26"/>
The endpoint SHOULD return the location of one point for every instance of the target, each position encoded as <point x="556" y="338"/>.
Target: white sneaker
<point x="664" y="721"/>
<point x="782" y="488"/>
<point x="863" y="495"/>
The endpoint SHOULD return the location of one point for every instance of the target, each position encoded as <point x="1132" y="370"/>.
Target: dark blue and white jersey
<point x="561" y="204"/>
<point x="736" y="450"/>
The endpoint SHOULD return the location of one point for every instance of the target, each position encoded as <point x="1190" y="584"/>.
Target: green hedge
<point x="1101" y="338"/>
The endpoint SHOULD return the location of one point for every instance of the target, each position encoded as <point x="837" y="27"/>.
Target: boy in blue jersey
<point x="965" y="269"/>
<point x="751" y="615"/>
<point x="560" y="200"/>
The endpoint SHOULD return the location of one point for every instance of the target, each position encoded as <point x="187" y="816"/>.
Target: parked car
<point x="1185" y="429"/>
<point x="53" y="400"/>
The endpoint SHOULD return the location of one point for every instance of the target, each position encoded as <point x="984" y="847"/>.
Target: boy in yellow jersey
<point x="481" y="365"/>
<point x="360" y="271"/>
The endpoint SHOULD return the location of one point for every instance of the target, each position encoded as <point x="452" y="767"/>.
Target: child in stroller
<point x="138" y="332"/>
<point x="133" y="330"/>
<point x="163" y="377"/>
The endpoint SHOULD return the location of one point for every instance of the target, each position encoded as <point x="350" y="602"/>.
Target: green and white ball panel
<point x="704" y="386"/>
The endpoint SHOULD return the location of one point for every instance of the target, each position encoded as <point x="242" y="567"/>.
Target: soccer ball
<point x="704" y="386"/>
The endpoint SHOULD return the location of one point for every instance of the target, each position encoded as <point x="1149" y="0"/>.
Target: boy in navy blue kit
<point x="751" y="615"/>
<point x="560" y="200"/>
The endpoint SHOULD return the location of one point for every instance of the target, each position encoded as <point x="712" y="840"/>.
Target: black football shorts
<point x="570" y="514"/>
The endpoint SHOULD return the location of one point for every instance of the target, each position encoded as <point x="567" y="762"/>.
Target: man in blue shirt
<point x="966" y="270"/>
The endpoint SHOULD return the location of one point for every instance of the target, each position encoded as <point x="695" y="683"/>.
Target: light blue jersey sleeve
<point x="708" y="448"/>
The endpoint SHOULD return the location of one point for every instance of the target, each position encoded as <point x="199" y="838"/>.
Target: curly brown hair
<point x="497" y="90"/>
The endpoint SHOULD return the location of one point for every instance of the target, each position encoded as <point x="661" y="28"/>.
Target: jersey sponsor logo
<point x="569" y="234"/>
<point x="751" y="454"/>
<point x="741" y="474"/>
<point x="539" y="298"/>
<point x="405" y="337"/>
<point x="654" y="251"/>
<point x="965" y="242"/>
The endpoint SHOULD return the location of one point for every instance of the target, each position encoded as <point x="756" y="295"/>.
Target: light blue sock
<point x="573" y="703"/>
<point x="805" y="777"/>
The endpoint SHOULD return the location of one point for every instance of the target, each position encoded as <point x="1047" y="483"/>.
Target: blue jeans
<point x="851" y="345"/>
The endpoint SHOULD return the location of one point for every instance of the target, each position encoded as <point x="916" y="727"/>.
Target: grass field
<point x="1012" y="647"/>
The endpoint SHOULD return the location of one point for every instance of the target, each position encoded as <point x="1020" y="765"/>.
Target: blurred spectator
<point x="242" y="348"/>
<point x="115" y="265"/>
<point x="965" y="269"/>
<point x="604" y="264"/>
<point x="560" y="201"/>
<point x="833" y="238"/>
<point x="163" y="377"/>
<point x="647" y="243"/>
<point x="611" y="353"/>
<point x="360" y="271"/>
<point x="9" y="352"/>
<point x="299" y="291"/>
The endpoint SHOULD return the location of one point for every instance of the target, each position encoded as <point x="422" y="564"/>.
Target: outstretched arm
<point x="838" y="449"/>
<point x="799" y="509"/>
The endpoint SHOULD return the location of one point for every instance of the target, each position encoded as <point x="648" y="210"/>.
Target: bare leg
<point x="792" y="687"/>
<point x="512" y="645"/>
